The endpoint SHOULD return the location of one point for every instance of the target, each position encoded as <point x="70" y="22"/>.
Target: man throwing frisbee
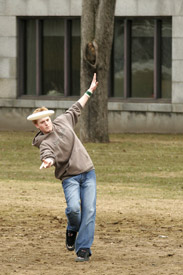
<point x="59" y="146"/>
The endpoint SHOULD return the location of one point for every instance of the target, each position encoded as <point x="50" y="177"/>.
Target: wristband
<point x="88" y="93"/>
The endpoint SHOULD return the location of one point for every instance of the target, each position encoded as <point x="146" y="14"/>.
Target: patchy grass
<point x="140" y="165"/>
<point x="139" y="208"/>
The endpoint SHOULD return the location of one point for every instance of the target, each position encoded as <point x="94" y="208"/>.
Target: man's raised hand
<point x="93" y="84"/>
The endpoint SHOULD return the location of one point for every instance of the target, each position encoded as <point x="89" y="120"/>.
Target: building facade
<point x="40" y="63"/>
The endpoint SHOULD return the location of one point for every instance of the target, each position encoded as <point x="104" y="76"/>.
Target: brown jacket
<point x="63" y="146"/>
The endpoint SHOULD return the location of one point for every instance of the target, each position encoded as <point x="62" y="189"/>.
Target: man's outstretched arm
<point x="89" y="92"/>
<point x="48" y="162"/>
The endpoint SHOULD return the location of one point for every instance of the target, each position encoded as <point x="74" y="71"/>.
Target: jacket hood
<point x="39" y="137"/>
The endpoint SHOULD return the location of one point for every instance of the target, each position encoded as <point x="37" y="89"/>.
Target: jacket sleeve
<point x="46" y="152"/>
<point x="72" y="115"/>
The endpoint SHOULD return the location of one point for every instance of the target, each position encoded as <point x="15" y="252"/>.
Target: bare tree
<point x="97" y="23"/>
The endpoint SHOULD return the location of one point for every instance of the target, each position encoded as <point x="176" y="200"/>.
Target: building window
<point x="49" y="56"/>
<point x="166" y="58"/>
<point x="118" y="59"/>
<point x="142" y="65"/>
<point x="141" y="58"/>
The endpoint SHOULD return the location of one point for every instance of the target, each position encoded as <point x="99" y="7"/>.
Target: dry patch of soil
<point x="133" y="236"/>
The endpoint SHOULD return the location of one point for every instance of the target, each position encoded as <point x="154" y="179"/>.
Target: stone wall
<point x="123" y="117"/>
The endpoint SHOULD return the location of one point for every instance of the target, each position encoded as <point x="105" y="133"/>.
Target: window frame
<point x="21" y="60"/>
<point x="21" y="54"/>
<point x="127" y="62"/>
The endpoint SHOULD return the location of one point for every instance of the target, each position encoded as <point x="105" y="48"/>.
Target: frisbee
<point x="39" y="115"/>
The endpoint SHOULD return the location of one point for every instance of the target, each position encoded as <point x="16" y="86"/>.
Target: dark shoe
<point x="83" y="255"/>
<point x="70" y="239"/>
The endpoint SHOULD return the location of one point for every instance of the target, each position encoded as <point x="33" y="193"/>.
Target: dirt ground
<point x="133" y="236"/>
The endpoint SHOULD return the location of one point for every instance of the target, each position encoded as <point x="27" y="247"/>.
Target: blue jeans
<point x="80" y="195"/>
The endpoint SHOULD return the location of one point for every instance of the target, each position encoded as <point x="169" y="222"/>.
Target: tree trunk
<point x="97" y="24"/>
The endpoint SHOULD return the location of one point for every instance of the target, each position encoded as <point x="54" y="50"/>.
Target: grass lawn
<point x="140" y="193"/>
<point x="140" y="165"/>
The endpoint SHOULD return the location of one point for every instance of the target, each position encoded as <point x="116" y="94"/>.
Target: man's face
<point x="44" y="125"/>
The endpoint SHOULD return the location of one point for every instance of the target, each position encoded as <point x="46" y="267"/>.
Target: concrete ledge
<point x="177" y="108"/>
<point x="160" y="107"/>
<point x="15" y="118"/>
<point x="112" y="106"/>
<point x="30" y="103"/>
<point x="149" y="122"/>
<point x="140" y="107"/>
<point x="123" y="117"/>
